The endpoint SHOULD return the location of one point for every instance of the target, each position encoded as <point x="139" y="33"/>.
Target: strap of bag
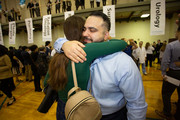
<point x="74" y="74"/>
<point x="75" y="78"/>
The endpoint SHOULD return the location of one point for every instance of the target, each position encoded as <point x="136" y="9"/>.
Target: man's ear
<point x="106" y="36"/>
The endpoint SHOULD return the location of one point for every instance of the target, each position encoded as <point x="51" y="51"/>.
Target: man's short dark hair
<point x="104" y="17"/>
<point x="47" y="43"/>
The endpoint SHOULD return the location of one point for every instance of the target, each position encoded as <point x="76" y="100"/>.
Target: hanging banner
<point x="12" y="32"/>
<point x="1" y="36"/>
<point x="110" y="12"/>
<point x="68" y="14"/>
<point x="158" y="17"/>
<point x="29" y="27"/>
<point x="46" y="30"/>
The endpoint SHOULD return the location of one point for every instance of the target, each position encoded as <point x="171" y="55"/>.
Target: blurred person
<point x="6" y="75"/>
<point x="142" y="57"/>
<point x="63" y="5"/>
<point x="68" y="3"/>
<point x="37" y="8"/>
<point x="48" y="48"/>
<point x="42" y="63"/>
<point x="34" y="68"/>
<point x="104" y="2"/>
<point x="77" y="4"/>
<point x="82" y="3"/>
<point x="170" y="58"/>
<point x="15" y="64"/>
<point x="49" y="7"/>
<point x="131" y="46"/>
<point x="158" y="47"/>
<point x="92" y="3"/>
<point x="149" y="52"/>
<point x="162" y="51"/>
<point x="57" y="5"/>
<point x="114" y="2"/>
<point x="98" y="3"/>
<point x="135" y="54"/>
<point x="30" y="6"/>
<point x="27" y="63"/>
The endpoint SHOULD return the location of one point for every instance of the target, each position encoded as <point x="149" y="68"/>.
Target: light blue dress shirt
<point x="116" y="82"/>
<point x="171" y="55"/>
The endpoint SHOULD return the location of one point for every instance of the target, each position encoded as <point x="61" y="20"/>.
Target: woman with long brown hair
<point x="60" y="74"/>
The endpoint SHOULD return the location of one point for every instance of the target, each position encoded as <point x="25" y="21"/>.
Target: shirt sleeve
<point x="95" y="50"/>
<point x="166" y="59"/>
<point x="132" y="88"/>
<point x="59" y="43"/>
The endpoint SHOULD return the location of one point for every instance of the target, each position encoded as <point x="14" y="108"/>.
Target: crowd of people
<point x="28" y="61"/>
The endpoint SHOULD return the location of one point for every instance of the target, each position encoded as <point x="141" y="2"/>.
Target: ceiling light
<point x="145" y="15"/>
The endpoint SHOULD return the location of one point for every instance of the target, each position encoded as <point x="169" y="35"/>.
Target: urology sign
<point x="158" y="17"/>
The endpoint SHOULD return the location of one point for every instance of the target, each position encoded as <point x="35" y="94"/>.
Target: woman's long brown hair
<point x="73" y="28"/>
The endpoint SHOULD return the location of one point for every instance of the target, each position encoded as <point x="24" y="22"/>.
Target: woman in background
<point x="6" y="75"/>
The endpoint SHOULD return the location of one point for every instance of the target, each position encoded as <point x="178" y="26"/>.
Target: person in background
<point x="49" y="7"/>
<point x="135" y="55"/>
<point x="170" y="60"/>
<point x="27" y="63"/>
<point x="82" y="2"/>
<point x="42" y="63"/>
<point x="15" y="64"/>
<point x="57" y="5"/>
<point x="34" y="68"/>
<point x="104" y="2"/>
<point x="162" y="51"/>
<point x="131" y="46"/>
<point x="98" y="3"/>
<point x="154" y="51"/>
<point x="37" y="8"/>
<point x="6" y="75"/>
<point x="142" y="57"/>
<point x="63" y="5"/>
<point x="114" y="2"/>
<point x="31" y="8"/>
<point x="48" y="48"/>
<point x="158" y="47"/>
<point x="149" y="52"/>
<point x="68" y="3"/>
<point x="92" y="3"/>
<point x="77" y="4"/>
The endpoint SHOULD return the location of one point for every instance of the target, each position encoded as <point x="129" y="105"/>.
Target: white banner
<point x="1" y="36"/>
<point x="110" y="12"/>
<point x="68" y="14"/>
<point x="158" y="17"/>
<point x="46" y="30"/>
<point x="29" y="27"/>
<point x="12" y="32"/>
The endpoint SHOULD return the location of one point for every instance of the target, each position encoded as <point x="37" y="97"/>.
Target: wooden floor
<point x="27" y="100"/>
